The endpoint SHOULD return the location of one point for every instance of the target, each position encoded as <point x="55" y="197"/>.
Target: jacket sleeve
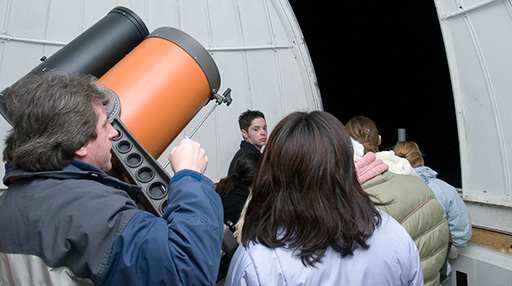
<point x="181" y="248"/>
<point x="458" y="217"/>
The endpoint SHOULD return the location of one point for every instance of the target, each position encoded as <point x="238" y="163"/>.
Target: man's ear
<point x="81" y="152"/>
<point x="244" y="134"/>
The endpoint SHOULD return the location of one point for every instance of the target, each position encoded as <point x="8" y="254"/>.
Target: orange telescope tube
<point x="162" y="84"/>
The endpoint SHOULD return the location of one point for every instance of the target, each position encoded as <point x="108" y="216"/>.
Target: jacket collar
<point x="77" y="170"/>
<point x="245" y="144"/>
<point x="369" y="166"/>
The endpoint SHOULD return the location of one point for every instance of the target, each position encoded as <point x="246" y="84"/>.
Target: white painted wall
<point x="478" y="40"/>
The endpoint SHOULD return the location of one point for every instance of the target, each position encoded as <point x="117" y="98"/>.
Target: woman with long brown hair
<point x="309" y="222"/>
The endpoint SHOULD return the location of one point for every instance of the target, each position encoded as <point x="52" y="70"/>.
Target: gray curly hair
<point x="52" y="116"/>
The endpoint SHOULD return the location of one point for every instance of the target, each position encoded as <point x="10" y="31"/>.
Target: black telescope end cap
<point x="134" y="18"/>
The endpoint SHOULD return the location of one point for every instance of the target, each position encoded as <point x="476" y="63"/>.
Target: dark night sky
<point x="386" y="60"/>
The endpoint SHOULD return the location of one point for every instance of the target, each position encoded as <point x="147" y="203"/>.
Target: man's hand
<point x="188" y="155"/>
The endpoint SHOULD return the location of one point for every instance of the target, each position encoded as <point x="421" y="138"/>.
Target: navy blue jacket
<point x="80" y="226"/>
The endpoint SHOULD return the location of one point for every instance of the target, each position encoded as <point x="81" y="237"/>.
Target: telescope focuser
<point x="224" y="98"/>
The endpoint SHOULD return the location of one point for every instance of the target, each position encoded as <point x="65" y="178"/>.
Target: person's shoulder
<point x="246" y="256"/>
<point x="257" y="253"/>
<point x="248" y="147"/>
<point x="242" y="270"/>
<point x="245" y="147"/>
<point x="391" y="226"/>
<point x="255" y="249"/>
<point x="442" y="185"/>
<point x="393" y="182"/>
<point x="409" y="182"/>
<point x="426" y="174"/>
<point x="390" y="233"/>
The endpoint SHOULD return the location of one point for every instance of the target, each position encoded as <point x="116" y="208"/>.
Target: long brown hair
<point x="306" y="195"/>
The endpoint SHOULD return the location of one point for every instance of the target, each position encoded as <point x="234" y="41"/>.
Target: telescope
<point x="160" y="81"/>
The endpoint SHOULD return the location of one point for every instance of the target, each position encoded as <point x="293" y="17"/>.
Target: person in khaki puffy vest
<point x="412" y="203"/>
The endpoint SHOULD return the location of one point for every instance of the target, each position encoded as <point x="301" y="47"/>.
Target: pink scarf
<point x="368" y="167"/>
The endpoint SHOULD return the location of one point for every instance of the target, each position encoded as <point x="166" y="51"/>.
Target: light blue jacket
<point x="456" y="211"/>
<point x="392" y="259"/>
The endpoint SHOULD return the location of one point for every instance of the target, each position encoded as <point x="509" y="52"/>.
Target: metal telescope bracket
<point x="139" y="167"/>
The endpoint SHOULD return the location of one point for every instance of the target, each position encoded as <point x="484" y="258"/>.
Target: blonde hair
<point x="410" y="151"/>
<point x="240" y="223"/>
